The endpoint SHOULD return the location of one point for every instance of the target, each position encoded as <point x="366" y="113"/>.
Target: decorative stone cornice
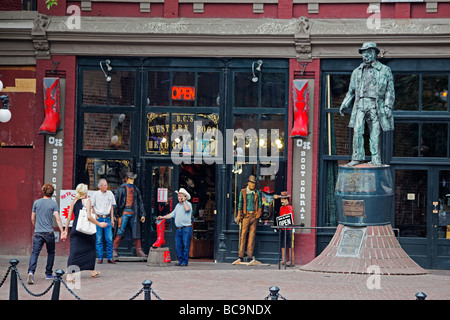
<point x="39" y="36"/>
<point x="303" y="40"/>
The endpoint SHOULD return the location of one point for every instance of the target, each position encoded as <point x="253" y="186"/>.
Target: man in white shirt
<point x="102" y="202"/>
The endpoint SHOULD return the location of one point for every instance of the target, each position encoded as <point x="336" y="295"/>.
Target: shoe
<point x="49" y="277"/>
<point x="354" y="163"/>
<point x="183" y="265"/>
<point x="95" y="273"/>
<point x="99" y="261"/>
<point x="111" y="261"/>
<point x="30" y="278"/>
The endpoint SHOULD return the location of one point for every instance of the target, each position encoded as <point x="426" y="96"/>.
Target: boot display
<point x="52" y="120"/>
<point x="160" y="232"/>
<point x="301" y="109"/>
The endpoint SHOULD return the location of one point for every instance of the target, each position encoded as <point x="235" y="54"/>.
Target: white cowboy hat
<point x="183" y="191"/>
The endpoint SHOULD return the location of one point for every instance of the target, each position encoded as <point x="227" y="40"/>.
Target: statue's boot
<point x="353" y="163"/>
<point x="138" y="245"/>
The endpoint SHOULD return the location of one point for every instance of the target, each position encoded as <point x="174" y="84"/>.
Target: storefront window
<point x="208" y="88"/>
<point x="435" y="92"/>
<point x="112" y="170"/>
<point x="119" y="91"/>
<point x="268" y="185"/>
<point x="421" y="139"/>
<point x="207" y="135"/>
<point x="158" y="133"/>
<point x="158" y="88"/>
<point x="245" y="91"/>
<point x="103" y="131"/>
<point x="95" y="91"/>
<point x="273" y="90"/>
<point x="122" y="86"/>
<point x="406" y="92"/>
<point x="183" y="91"/>
<point x="273" y="145"/>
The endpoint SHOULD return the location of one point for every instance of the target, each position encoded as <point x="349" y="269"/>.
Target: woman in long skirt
<point x="82" y="246"/>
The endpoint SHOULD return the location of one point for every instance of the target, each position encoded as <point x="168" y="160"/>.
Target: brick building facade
<point x="214" y="47"/>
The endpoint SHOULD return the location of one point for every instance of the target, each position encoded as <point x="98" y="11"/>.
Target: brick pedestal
<point x="354" y="249"/>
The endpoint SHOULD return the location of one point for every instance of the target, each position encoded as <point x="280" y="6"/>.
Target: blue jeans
<point x="107" y="232"/>
<point x="126" y="219"/>
<point x="39" y="239"/>
<point x="183" y="244"/>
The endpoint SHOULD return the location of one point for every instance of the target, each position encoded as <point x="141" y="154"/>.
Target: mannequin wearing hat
<point x="372" y="89"/>
<point x="182" y="214"/>
<point x="249" y="211"/>
<point x="130" y="209"/>
<point x="286" y="208"/>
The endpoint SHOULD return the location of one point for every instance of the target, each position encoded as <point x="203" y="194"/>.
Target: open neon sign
<point x="183" y="93"/>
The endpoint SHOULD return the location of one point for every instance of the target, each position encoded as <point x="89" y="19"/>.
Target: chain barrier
<point x="25" y="287"/>
<point x="5" y="276"/>
<point x="56" y="285"/>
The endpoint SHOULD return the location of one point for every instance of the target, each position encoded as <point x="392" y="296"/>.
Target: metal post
<point x="13" y="293"/>
<point x="147" y="289"/>
<point x="57" y="284"/>
<point x="421" y="296"/>
<point x="274" y="293"/>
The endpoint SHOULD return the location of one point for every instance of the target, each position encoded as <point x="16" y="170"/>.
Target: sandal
<point x="69" y="278"/>
<point x="95" y="273"/>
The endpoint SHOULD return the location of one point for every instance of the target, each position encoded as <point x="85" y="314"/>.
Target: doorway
<point x="422" y="214"/>
<point x="163" y="179"/>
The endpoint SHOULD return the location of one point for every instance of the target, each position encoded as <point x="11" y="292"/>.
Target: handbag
<point x="83" y="223"/>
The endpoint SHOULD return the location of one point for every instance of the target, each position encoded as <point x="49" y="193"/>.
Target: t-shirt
<point x="102" y="202"/>
<point x="44" y="209"/>
<point x="182" y="217"/>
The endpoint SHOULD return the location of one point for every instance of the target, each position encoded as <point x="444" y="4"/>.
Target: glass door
<point x="412" y="194"/>
<point x="160" y="199"/>
<point x="441" y="219"/>
<point x="422" y="214"/>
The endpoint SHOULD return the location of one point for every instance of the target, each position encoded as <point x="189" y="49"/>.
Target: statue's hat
<point x="369" y="45"/>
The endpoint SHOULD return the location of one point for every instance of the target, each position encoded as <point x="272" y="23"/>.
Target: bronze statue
<point x="372" y="88"/>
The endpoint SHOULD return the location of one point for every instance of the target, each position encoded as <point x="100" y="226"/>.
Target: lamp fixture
<point x="107" y="63"/>
<point x="5" y="114"/>
<point x="258" y="68"/>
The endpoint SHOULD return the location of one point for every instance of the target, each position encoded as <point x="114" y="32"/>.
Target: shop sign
<point x="183" y="93"/>
<point x="285" y="220"/>
<point x="65" y="200"/>
<point x="303" y="167"/>
<point x="162" y="194"/>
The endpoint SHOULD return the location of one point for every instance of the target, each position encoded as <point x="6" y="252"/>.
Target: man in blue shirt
<point x="183" y="222"/>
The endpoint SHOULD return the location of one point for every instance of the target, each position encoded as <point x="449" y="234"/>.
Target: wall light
<point x="258" y="68"/>
<point x="5" y="114"/>
<point x="108" y="68"/>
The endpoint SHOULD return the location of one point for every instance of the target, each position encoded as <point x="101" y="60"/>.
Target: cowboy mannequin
<point x="249" y="212"/>
<point x="130" y="209"/>
<point x="372" y="88"/>
<point x="286" y="208"/>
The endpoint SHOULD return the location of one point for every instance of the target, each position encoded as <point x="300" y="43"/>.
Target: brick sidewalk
<point x="220" y="281"/>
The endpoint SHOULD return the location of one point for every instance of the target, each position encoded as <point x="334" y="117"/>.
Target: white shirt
<point x="102" y="202"/>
